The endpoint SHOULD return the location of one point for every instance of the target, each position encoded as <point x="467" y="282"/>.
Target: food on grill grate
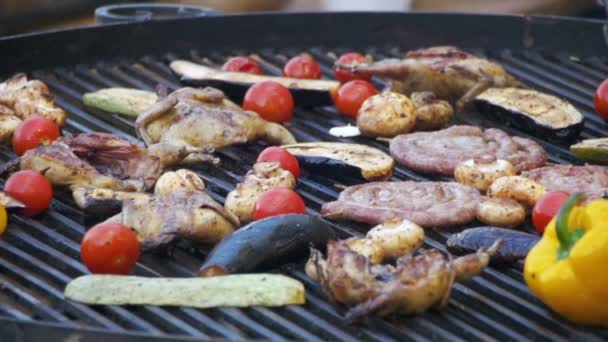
<point x="125" y="101"/>
<point x="431" y="113"/>
<point x="265" y="243"/>
<point x="101" y="202"/>
<point x="415" y="284"/>
<point x="263" y="176"/>
<point x="99" y="160"/>
<point x="243" y="290"/>
<point x="9" y="203"/>
<point x="502" y="212"/>
<point x="21" y="99"/>
<point x="204" y="119"/>
<point x="235" y="84"/>
<point x="481" y="172"/>
<point x="343" y="159"/>
<point x="518" y="188"/>
<point x="514" y="246"/>
<point x="386" y="115"/>
<point x="447" y="71"/>
<point x="537" y="113"/>
<point x="590" y="179"/>
<point x="428" y="204"/>
<point x="592" y="150"/>
<point x="441" y="151"/>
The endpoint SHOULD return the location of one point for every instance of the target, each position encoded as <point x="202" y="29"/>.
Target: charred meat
<point x="590" y="179"/>
<point x="415" y="284"/>
<point x="204" y="119"/>
<point x="440" y="152"/>
<point x="20" y="99"/>
<point x="447" y="71"/>
<point x="428" y="204"/>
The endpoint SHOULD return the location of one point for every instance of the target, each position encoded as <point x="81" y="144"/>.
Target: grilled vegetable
<point x="230" y="291"/>
<point x="235" y="84"/>
<point x="266" y="241"/>
<point x="386" y="115"/>
<point x="343" y="159"/>
<point x="592" y="150"/>
<point x="481" y="173"/>
<point x="515" y="244"/>
<point x="103" y="202"/>
<point x="125" y="101"/>
<point x="431" y="113"/>
<point x="532" y="111"/>
<point x="9" y="203"/>
<point x="521" y="189"/>
<point x="502" y="212"/>
<point x="566" y="268"/>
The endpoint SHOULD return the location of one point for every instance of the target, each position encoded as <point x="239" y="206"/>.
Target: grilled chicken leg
<point x="447" y="71"/>
<point x="21" y="99"/>
<point x="204" y="118"/>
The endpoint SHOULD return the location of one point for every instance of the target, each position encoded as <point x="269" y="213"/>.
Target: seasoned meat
<point x="441" y="151"/>
<point x="204" y="119"/>
<point x="21" y="99"/>
<point x="428" y="204"/>
<point x="414" y="284"/>
<point x="99" y="160"/>
<point x="447" y="71"/>
<point x="590" y="179"/>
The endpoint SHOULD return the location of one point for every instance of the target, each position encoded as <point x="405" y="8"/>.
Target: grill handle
<point x="121" y="13"/>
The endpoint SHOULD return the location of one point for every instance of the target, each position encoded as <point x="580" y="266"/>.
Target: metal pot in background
<point x="118" y="13"/>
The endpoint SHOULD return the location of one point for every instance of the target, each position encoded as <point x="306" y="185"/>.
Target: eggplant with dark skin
<point x="266" y="242"/>
<point x="100" y="202"/>
<point x="537" y="113"/>
<point x="235" y="84"/>
<point x="343" y="159"/>
<point x="515" y="244"/>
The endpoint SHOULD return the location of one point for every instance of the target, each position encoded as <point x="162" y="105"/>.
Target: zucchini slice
<point x="242" y="290"/>
<point x="537" y="113"/>
<point x="124" y="101"/>
<point x="344" y="159"/>
<point x="235" y="84"/>
<point x="592" y="150"/>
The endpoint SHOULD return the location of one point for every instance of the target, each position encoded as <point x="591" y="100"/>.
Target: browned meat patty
<point x="428" y="204"/>
<point x="440" y="151"/>
<point x="590" y="179"/>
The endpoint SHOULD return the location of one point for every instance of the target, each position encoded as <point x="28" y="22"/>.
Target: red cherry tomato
<point x="110" y="248"/>
<point x="351" y="96"/>
<point x="278" y="201"/>
<point x="351" y="58"/>
<point x="33" y="132"/>
<point x="242" y="64"/>
<point x="546" y="208"/>
<point x="287" y="160"/>
<point x="32" y="189"/>
<point x="271" y="100"/>
<point x="302" y="66"/>
<point x="601" y="100"/>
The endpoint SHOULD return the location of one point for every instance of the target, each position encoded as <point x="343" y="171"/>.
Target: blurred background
<point x="17" y="16"/>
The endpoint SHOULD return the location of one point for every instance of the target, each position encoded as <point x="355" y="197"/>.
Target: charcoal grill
<point x="565" y="57"/>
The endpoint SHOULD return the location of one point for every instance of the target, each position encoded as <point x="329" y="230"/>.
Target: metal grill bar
<point x="39" y="257"/>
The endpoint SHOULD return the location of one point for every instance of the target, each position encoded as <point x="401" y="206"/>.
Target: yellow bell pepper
<point x="3" y="219"/>
<point x="567" y="268"/>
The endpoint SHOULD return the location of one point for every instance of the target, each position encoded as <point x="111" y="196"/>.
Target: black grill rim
<point x="282" y="30"/>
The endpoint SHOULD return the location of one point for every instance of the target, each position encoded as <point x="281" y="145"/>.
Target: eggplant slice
<point x="515" y="244"/>
<point x="592" y="150"/>
<point x="235" y="84"/>
<point x="543" y="115"/>
<point x="344" y="159"/>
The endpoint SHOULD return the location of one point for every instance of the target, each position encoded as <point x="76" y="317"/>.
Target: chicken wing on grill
<point x="447" y="71"/>
<point x="21" y="99"/>
<point x="100" y="160"/>
<point x="205" y="118"/>
<point x="413" y="285"/>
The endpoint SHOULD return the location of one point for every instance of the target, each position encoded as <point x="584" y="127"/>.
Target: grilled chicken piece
<point x="205" y="118"/>
<point x="9" y="202"/>
<point x="413" y="285"/>
<point x="447" y="71"/>
<point x="263" y="176"/>
<point x="158" y="220"/>
<point x="99" y="160"/>
<point x="21" y="99"/>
